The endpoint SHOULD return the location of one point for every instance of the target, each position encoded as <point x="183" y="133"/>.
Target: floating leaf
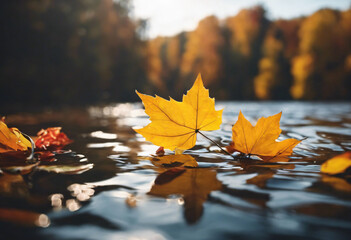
<point x="51" y="138"/>
<point x="338" y="164"/>
<point x="261" y="139"/>
<point x="24" y="169"/>
<point x="11" y="139"/>
<point x="66" y="169"/>
<point x="175" y="124"/>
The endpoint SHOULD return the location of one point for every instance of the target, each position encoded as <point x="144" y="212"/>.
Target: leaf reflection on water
<point x="177" y="160"/>
<point x="16" y="183"/>
<point x="194" y="185"/>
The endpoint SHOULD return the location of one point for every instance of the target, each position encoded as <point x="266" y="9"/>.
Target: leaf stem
<point x="226" y="152"/>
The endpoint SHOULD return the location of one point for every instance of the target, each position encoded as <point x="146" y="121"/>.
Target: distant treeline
<point x="69" y="52"/>
<point x="248" y="56"/>
<point x="63" y="52"/>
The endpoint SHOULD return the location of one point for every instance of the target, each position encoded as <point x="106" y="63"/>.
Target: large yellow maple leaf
<point x="11" y="139"/>
<point x="175" y="124"/>
<point x="260" y="140"/>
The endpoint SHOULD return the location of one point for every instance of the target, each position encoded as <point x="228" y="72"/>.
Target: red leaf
<point x="230" y="148"/>
<point x="160" y="151"/>
<point x="52" y="139"/>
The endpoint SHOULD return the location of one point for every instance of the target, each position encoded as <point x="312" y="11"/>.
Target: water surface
<point x="116" y="190"/>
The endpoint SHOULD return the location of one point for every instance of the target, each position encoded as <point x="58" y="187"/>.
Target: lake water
<point x="110" y="187"/>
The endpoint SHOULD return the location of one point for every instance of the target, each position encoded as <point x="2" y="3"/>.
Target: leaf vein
<point x="170" y="119"/>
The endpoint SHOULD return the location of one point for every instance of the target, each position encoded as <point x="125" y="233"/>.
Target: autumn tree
<point x="345" y="23"/>
<point x="164" y="56"/>
<point x="155" y="64"/>
<point x="274" y="78"/>
<point x="202" y="54"/>
<point x="318" y="70"/>
<point x="61" y="52"/>
<point x="174" y="50"/>
<point x="68" y="52"/>
<point x="246" y="32"/>
<point x="289" y="30"/>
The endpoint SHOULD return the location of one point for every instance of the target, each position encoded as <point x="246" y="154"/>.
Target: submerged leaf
<point x="21" y="169"/>
<point x="66" y="169"/>
<point x="261" y="139"/>
<point x="338" y="164"/>
<point x="11" y="139"/>
<point x="175" y="124"/>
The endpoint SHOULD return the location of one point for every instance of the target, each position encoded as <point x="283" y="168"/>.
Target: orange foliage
<point x="154" y="64"/>
<point x="302" y="69"/>
<point x="202" y="51"/>
<point x="324" y="44"/>
<point x="247" y="56"/>
<point x="245" y="28"/>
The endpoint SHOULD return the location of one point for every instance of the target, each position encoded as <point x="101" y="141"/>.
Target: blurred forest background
<point x="64" y="52"/>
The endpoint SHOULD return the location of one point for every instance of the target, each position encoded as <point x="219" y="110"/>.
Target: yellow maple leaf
<point x="260" y="140"/>
<point x="11" y="139"/>
<point x="338" y="164"/>
<point x="175" y="124"/>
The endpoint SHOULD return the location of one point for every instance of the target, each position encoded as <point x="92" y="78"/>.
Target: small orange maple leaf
<point x="260" y="140"/>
